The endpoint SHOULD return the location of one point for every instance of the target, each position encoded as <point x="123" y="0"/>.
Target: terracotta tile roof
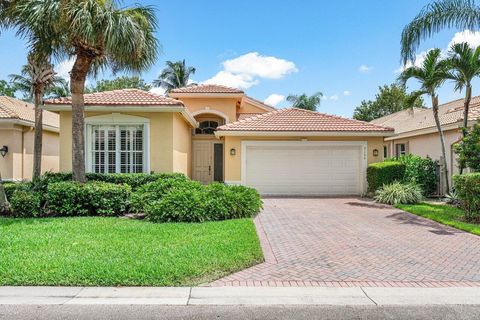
<point x="206" y="88"/>
<point x="243" y="116"/>
<point x="301" y="120"/>
<point x="124" y="97"/>
<point x="416" y="119"/>
<point x="11" y="108"/>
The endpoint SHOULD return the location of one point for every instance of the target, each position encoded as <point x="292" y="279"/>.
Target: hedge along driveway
<point x="94" y="251"/>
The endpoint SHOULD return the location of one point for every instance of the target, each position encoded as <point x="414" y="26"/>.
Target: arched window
<point x="206" y="127"/>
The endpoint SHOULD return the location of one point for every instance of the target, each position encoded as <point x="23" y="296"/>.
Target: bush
<point x="420" y="171"/>
<point x="155" y="191"/>
<point x="383" y="173"/>
<point x="399" y="193"/>
<point x="11" y="187"/>
<point x="93" y="198"/>
<point x="178" y="205"/>
<point x="25" y="204"/>
<point x="467" y="187"/>
<point x="210" y="203"/>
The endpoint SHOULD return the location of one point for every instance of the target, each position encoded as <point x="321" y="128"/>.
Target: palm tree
<point x="431" y="74"/>
<point x="303" y="101"/>
<point x="175" y="75"/>
<point x="433" y="18"/>
<point x="465" y="66"/>
<point x="36" y="77"/>
<point x="97" y="34"/>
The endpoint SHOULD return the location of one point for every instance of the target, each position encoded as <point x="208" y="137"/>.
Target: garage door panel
<point x="304" y="170"/>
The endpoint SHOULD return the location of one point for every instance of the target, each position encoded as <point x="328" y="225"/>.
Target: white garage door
<point x="304" y="168"/>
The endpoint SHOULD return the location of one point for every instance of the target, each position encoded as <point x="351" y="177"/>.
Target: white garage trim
<point x="361" y="144"/>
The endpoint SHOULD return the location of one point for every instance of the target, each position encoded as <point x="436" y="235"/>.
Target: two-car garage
<point x="304" y="167"/>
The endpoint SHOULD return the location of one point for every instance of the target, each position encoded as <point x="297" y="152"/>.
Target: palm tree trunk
<point x="442" y="140"/>
<point x="78" y="76"/>
<point x="38" y="143"/>
<point x="4" y="205"/>
<point x="466" y="107"/>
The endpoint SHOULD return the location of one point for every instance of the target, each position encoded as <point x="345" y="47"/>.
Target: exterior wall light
<point x="233" y="152"/>
<point x="4" y="151"/>
<point x="375" y="152"/>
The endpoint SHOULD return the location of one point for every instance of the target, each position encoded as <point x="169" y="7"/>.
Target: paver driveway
<point x="354" y="242"/>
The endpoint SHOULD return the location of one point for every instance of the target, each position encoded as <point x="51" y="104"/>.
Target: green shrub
<point x="25" y="204"/>
<point x="197" y="203"/>
<point x="92" y="198"/>
<point x="11" y="187"/>
<point x="420" y="171"/>
<point x="155" y="191"/>
<point x="178" y="205"/>
<point x="467" y="187"/>
<point x="382" y="173"/>
<point x="399" y="193"/>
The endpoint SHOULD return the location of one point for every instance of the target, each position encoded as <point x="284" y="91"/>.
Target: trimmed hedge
<point x="207" y="203"/>
<point x="92" y="198"/>
<point x="25" y="204"/>
<point x="467" y="187"/>
<point x="383" y="173"/>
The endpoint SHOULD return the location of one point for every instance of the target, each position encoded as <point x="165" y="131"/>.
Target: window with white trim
<point x="117" y="148"/>
<point x="401" y="149"/>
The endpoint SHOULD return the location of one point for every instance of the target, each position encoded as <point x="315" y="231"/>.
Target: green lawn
<point x="93" y="251"/>
<point x="445" y="214"/>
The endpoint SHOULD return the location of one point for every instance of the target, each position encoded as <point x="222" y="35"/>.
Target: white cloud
<point x="334" y="97"/>
<point x="159" y="90"/>
<point x="240" y="81"/>
<point x="274" y="99"/>
<point x="255" y="64"/>
<point x="472" y="38"/>
<point x="63" y="68"/>
<point x="347" y="93"/>
<point x="247" y="70"/>
<point x="364" y="68"/>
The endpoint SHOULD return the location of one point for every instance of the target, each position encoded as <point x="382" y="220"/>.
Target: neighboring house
<point x="216" y="133"/>
<point x="17" y="126"/>
<point x="416" y="132"/>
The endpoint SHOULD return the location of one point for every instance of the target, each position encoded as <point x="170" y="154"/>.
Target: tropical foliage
<point x="468" y="189"/>
<point x="123" y="82"/>
<point x="6" y="89"/>
<point x="399" y="193"/>
<point x="174" y="75"/>
<point x="468" y="150"/>
<point x="303" y="101"/>
<point x="390" y="99"/>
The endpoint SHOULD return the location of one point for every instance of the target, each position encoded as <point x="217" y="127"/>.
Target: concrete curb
<point x="238" y="296"/>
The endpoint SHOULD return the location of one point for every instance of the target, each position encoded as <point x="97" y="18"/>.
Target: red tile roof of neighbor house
<point x="294" y="119"/>
<point x="124" y="97"/>
<point x="206" y="88"/>
<point x="14" y="109"/>
<point x="243" y="116"/>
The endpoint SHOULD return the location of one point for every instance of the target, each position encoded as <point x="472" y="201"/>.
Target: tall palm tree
<point x="303" y="101"/>
<point x="433" y="18"/>
<point x="36" y="77"/>
<point x="174" y="75"/>
<point x="431" y="74"/>
<point x="97" y="34"/>
<point x="465" y="66"/>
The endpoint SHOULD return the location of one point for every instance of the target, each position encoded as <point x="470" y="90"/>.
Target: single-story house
<point x="216" y="133"/>
<point x="17" y="127"/>
<point x="416" y="132"/>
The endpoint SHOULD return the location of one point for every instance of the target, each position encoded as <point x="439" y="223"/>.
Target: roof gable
<point x="14" y="109"/>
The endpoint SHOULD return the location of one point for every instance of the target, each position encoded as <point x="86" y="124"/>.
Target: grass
<point x="445" y="214"/>
<point x="95" y="251"/>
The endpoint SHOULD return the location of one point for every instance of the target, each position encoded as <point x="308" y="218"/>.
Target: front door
<point x="207" y="161"/>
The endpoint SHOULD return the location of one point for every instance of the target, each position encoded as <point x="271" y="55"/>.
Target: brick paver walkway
<point x="354" y="242"/>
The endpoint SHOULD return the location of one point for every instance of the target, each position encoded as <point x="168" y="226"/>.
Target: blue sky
<point x="345" y="49"/>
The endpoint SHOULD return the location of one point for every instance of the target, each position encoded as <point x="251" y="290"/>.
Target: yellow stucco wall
<point x="247" y="107"/>
<point x="224" y="105"/>
<point x="233" y="163"/>
<point x="18" y="163"/>
<point x="170" y="141"/>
